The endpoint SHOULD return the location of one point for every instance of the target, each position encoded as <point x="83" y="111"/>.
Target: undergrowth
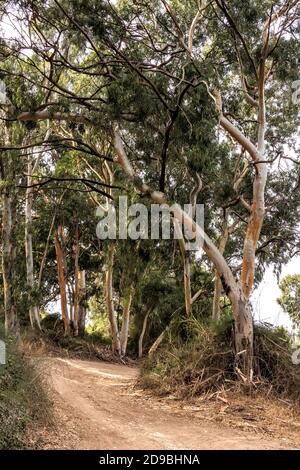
<point x="23" y="397"/>
<point x="52" y="341"/>
<point x="197" y="358"/>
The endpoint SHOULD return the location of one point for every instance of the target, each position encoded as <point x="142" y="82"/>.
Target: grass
<point x="23" y="397"/>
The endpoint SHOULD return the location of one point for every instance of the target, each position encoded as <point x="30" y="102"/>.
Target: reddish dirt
<point x="97" y="407"/>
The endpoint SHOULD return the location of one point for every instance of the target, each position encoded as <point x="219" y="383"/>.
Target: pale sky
<point x="264" y="303"/>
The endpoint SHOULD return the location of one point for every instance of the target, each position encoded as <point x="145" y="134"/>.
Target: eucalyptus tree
<point x="166" y="84"/>
<point x="254" y="36"/>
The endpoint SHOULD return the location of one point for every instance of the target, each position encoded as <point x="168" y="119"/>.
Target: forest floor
<point x="98" y="406"/>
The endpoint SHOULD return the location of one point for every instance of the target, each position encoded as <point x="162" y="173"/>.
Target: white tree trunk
<point x="144" y="327"/>
<point x="186" y="268"/>
<point x="116" y="345"/>
<point x="125" y="320"/>
<point x="76" y="249"/>
<point x="80" y="320"/>
<point x="8" y="236"/>
<point x="8" y="261"/>
<point x="59" y="249"/>
<point x="33" y="308"/>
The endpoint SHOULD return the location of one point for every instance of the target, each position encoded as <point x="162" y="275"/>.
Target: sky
<point x="265" y="306"/>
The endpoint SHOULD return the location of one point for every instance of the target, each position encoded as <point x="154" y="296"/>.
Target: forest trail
<point x="98" y="408"/>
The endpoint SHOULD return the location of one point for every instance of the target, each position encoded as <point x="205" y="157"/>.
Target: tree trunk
<point x="217" y="297"/>
<point x="116" y="345"/>
<point x="33" y="308"/>
<point x="218" y="283"/>
<point x="76" y="249"/>
<point x="8" y="170"/>
<point x="243" y="338"/>
<point x="183" y="245"/>
<point x="61" y="277"/>
<point x="144" y="327"/>
<point x="70" y="298"/>
<point x="80" y="320"/>
<point x="187" y="279"/>
<point x="8" y="261"/>
<point x="186" y="268"/>
<point x="125" y="320"/>
<point x="79" y="291"/>
<point x="244" y="321"/>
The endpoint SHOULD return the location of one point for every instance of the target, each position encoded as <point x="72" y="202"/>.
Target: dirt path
<point x="99" y="409"/>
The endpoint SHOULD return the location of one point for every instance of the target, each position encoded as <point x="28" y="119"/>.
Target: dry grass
<point x="54" y="343"/>
<point x="195" y="366"/>
<point x="198" y="359"/>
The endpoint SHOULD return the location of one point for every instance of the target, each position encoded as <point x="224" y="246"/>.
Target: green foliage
<point x="98" y="324"/>
<point x="23" y="398"/>
<point x="290" y="297"/>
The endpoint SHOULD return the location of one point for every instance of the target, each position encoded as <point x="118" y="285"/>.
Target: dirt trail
<point x="99" y="409"/>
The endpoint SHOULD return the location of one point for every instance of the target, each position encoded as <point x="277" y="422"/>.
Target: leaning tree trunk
<point x="33" y="307"/>
<point x="116" y="345"/>
<point x="125" y="320"/>
<point x="61" y="278"/>
<point x="187" y="277"/>
<point x="144" y="327"/>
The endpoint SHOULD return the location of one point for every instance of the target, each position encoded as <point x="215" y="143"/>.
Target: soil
<point x="98" y="406"/>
